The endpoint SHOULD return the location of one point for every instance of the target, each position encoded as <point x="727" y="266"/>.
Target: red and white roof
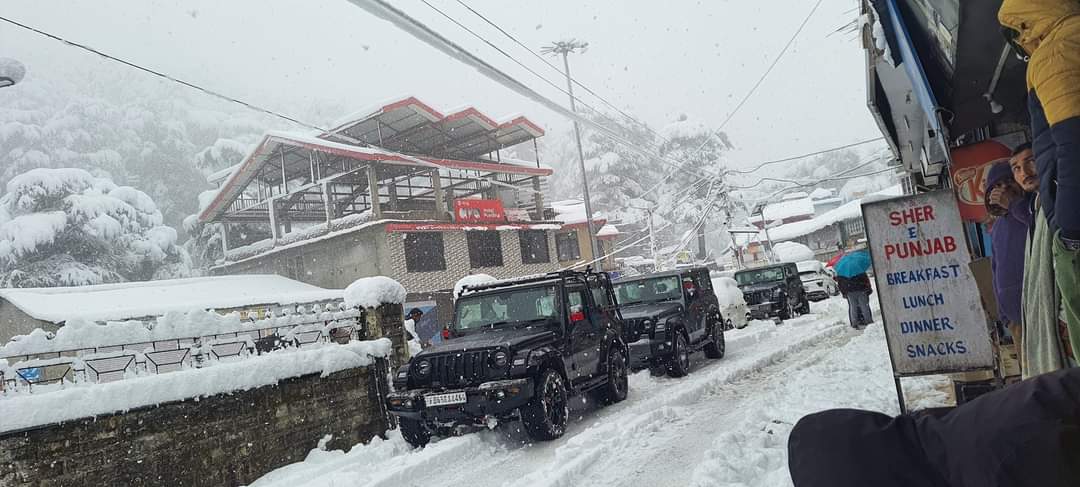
<point x="411" y="126"/>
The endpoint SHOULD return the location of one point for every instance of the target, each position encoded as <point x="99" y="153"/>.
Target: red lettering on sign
<point x="919" y="248"/>
<point x="911" y="215"/>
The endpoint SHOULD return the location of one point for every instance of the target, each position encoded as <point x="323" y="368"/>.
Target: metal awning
<point x="296" y="167"/>
<point x="411" y="126"/>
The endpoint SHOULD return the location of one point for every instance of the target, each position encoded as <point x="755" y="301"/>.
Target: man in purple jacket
<point x="1007" y="201"/>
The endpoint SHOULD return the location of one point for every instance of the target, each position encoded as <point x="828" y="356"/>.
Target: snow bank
<point x="471" y="280"/>
<point x="792" y="252"/>
<point x="89" y="400"/>
<point x="370" y="292"/>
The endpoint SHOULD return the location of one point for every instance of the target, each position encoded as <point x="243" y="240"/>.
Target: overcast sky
<point x="655" y="59"/>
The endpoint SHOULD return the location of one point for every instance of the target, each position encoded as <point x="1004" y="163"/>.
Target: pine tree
<point x="65" y="227"/>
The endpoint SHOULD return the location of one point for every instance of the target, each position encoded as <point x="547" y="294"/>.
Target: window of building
<point x="485" y="249"/>
<point x="424" y="252"/>
<point x="566" y="245"/>
<point x="534" y="247"/>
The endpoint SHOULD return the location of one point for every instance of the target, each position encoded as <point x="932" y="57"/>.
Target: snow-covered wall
<point x="222" y="425"/>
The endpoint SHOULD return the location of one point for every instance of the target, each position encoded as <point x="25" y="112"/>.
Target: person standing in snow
<point x="1006" y="201"/>
<point x="857" y="290"/>
<point x="1047" y="32"/>
<point x="1025" y="435"/>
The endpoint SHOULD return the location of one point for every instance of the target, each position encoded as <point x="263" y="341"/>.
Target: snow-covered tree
<point x="686" y="200"/>
<point x="617" y="174"/>
<point x="65" y="227"/>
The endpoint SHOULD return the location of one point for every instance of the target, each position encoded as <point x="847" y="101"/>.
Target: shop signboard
<point x="934" y="318"/>
<point x="478" y="211"/>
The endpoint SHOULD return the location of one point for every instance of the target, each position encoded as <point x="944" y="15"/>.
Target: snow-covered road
<point x="724" y="424"/>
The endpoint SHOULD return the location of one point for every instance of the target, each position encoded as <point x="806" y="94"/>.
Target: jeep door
<point x="696" y="306"/>
<point x="583" y="333"/>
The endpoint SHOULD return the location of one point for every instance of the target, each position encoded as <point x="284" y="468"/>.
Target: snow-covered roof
<point x="786" y="209"/>
<point x="821" y="193"/>
<point x="795" y="195"/>
<point x="607" y="231"/>
<point x="222" y="175"/>
<point x="847" y="211"/>
<point x="129" y="300"/>
<point x="572" y="212"/>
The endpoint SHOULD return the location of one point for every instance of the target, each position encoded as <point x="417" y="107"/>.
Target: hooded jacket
<point x="1049" y="31"/>
<point x="1008" y="236"/>
<point x="1025" y="435"/>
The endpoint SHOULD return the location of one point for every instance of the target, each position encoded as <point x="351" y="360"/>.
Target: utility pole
<point x="652" y="236"/>
<point x="564" y="48"/>
<point x="765" y="225"/>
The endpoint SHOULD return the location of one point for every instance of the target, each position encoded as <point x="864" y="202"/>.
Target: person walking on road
<point x="857" y="290"/>
<point x="854" y="285"/>
<point x="1007" y="202"/>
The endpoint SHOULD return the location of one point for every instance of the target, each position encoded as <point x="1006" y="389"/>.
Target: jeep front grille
<point x="461" y="368"/>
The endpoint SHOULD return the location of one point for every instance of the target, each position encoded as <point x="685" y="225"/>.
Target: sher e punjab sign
<point x="934" y="319"/>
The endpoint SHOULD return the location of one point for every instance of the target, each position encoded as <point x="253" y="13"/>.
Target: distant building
<point x="794" y="207"/>
<point x="830" y="232"/>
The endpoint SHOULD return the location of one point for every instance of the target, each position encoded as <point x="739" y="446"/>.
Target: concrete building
<point x="402" y="191"/>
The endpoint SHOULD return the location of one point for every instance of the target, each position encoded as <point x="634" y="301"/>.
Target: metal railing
<point x="100" y="364"/>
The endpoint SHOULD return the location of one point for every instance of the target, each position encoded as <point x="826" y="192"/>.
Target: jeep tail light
<point x="576" y="316"/>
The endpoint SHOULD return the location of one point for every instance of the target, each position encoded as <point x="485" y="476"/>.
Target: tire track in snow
<point x="573" y="459"/>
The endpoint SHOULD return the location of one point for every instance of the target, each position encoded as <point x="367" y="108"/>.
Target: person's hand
<point x="999" y="197"/>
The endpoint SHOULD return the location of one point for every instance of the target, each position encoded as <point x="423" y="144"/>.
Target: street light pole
<point x="765" y="225"/>
<point x="564" y="48"/>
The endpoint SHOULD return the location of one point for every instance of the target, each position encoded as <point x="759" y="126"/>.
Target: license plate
<point x="444" y="399"/>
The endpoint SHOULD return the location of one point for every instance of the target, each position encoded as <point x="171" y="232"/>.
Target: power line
<point x="767" y="71"/>
<point x="803" y="156"/>
<point x="556" y="68"/>
<point x="165" y="76"/>
<point x="383" y="10"/>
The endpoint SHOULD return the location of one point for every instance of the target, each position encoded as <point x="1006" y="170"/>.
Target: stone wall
<point x="228" y="439"/>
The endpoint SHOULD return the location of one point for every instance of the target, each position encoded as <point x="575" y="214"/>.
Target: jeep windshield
<point x="758" y="276"/>
<point x="514" y="307"/>
<point x="648" y="290"/>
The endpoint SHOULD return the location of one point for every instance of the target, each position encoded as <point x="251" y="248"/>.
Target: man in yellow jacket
<point x="1048" y="33"/>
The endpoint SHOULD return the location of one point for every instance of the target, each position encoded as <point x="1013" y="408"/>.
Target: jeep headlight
<point x="423" y="368"/>
<point x="500" y="358"/>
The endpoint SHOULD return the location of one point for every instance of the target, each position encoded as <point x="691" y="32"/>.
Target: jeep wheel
<point x="804" y="306"/>
<point x="679" y="365"/>
<point x="544" y="416"/>
<point x="414" y="432"/>
<point x="717" y="346"/>
<point x="617" y="385"/>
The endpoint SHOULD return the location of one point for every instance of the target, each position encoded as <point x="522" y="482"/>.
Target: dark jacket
<point x="1025" y="435"/>
<point x="1008" y="236"/>
<point x="1049" y="31"/>
<point x="859" y="283"/>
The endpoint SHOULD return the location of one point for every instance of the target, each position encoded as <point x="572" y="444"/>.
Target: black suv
<point x="669" y="315"/>
<point x="518" y="349"/>
<point x="774" y="290"/>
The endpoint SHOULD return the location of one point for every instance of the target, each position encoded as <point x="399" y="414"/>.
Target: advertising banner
<point x="971" y="164"/>
<point x="478" y="211"/>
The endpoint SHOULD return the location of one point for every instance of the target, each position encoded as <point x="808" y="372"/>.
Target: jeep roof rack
<point x="550" y="276"/>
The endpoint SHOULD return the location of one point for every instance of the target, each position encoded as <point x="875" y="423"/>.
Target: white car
<point x="732" y="306"/>
<point x="818" y="283"/>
